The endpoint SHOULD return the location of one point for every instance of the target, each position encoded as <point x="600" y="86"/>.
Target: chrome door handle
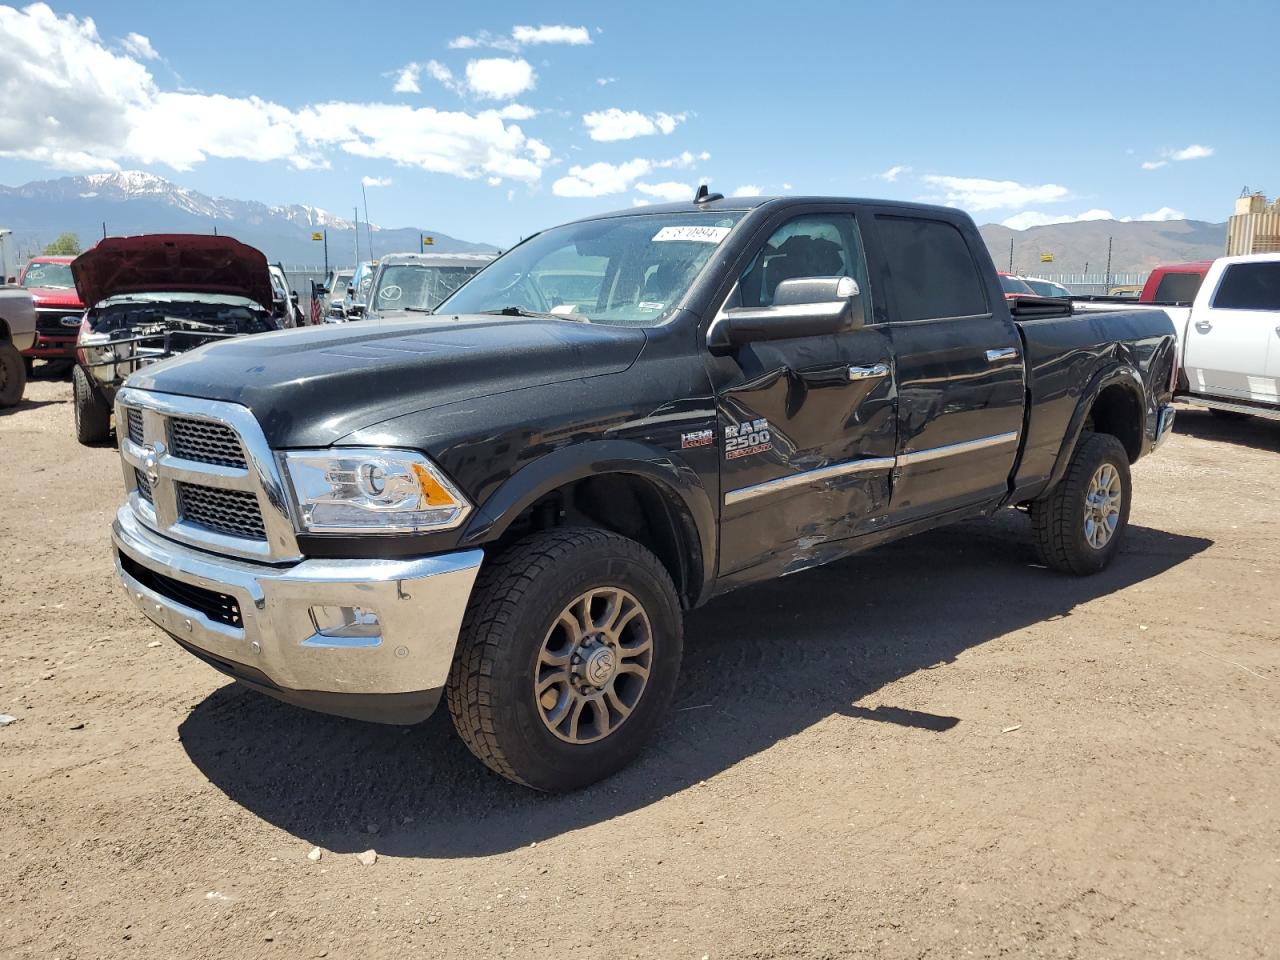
<point x="1004" y="353"/>
<point x="1204" y="326"/>
<point x="869" y="373"/>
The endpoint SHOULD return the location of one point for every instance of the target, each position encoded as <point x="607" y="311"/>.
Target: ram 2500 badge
<point x="509" y="504"/>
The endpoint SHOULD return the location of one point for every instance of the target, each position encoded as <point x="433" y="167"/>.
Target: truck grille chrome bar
<point x="200" y="472"/>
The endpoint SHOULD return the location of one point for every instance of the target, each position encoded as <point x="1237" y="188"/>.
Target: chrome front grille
<point x="233" y="513"/>
<point x="135" y="425"/>
<point x="205" y="442"/>
<point x="144" y="486"/>
<point x="200" y="472"/>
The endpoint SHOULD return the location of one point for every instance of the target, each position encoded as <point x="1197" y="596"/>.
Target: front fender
<point x="679" y="483"/>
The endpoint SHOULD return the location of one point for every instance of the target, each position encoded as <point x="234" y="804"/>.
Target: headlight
<point x="374" y="490"/>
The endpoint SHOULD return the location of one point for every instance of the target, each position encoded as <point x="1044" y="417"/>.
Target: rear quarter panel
<point x="1070" y="361"/>
<point x="18" y="317"/>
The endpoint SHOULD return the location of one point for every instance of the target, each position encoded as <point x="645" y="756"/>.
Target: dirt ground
<point x="936" y="749"/>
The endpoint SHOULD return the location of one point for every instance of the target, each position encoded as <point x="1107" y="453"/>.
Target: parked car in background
<point x="1045" y="288"/>
<point x="419" y="282"/>
<point x="17" y="333"/>
<point x="1014" y="286"/>
<point x="508" y="505"/>
<point x="58" y="308"/>
<point x="354" y="298"/>
<point x="284" y="300"/>
<point x="1177" y="283"/>
<point x="153" y="296"/>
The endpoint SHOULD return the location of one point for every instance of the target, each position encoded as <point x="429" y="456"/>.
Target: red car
<point x="1014" y="287"/>
<point x="58" y="308"/>
<point x="1176" y="283"/>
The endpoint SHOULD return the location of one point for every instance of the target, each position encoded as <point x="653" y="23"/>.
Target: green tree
<point x="67" y="245"/>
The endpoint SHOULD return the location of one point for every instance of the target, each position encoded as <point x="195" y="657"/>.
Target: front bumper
<point x="46" y="347"/>
<point x="395" y="674"/>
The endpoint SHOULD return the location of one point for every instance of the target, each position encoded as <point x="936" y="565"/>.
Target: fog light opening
<point x="346" y="623"/>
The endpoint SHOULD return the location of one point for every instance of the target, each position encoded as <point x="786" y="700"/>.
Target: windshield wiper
<point x="522" y="312"/>
<point x="417" y="309"/>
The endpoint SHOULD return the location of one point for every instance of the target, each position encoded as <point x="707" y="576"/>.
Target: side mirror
<point x="802" y="307"/>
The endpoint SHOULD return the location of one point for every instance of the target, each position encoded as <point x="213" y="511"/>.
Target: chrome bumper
<point x="418" y="603"/>
<point x="1164" y="424"/>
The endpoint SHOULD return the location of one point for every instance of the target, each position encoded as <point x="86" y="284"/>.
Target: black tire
<point x="1058" y="520"/>
<point x="517" y="599"/>
<point x="13" y="375"/>
<point x="93" y="416"/>
<point x="1229" y="414"/>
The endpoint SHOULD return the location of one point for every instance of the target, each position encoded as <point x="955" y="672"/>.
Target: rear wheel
<point x="1080" y="523"/>
<point x="93" y="416"/>
<point x="13" y="375"/>
<point x="568" y="658"/>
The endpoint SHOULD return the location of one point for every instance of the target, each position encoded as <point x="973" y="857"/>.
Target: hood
<point x="55" y="297"/>
<point x="172" y="263"/>
<point x="313" y="386"/>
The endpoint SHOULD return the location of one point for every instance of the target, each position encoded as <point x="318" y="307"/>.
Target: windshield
<point x="1015" y="285"/>
<point x="404" y="286"/>
<point x="49" y="275"/>
<point x="340" y="283"/>
<point x="630" y="270"/>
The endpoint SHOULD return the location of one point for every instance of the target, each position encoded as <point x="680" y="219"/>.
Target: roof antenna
<point x="702" y="196"/>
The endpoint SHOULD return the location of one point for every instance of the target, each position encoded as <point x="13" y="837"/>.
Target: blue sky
<point x="490" y="121"/>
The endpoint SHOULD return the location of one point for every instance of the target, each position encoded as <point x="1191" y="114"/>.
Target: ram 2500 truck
<point x="510" y="503"/>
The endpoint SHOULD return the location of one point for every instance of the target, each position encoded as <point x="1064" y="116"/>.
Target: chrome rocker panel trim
<point x="864" y="465"/>
<point x="419" y="602"/>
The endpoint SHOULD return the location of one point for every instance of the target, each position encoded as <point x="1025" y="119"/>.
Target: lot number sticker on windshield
<point x="696" y="234"/>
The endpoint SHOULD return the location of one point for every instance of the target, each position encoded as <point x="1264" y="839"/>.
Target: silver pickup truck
<point x="17" y="333"/>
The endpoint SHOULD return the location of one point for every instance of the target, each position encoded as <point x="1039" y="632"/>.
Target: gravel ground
<point x="937" y="749"/>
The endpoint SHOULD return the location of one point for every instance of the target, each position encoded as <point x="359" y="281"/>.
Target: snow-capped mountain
<point x="134" y="201"/>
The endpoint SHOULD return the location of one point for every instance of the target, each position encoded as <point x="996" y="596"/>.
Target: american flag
<point x="317" y="308"/>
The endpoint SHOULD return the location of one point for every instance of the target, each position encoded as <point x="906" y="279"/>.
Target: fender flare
<point x="679" y="484"/>
<point x="1116" y="373"/>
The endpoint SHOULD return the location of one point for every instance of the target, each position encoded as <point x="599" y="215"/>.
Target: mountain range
<point x="131" y="202"/>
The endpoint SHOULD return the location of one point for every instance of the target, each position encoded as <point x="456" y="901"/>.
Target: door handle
<point x="1204" y="326"/>
<point x="1004" y="353"/>
<point x="869" y="373"/>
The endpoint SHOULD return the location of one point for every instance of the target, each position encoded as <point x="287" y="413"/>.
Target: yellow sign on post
<point x="1046" y="258"/>
<point x="317" y="236"/>
<point x="428" y="241"/>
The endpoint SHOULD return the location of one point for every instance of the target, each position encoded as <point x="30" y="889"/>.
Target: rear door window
<point x="1249" y="286"/>
<point x="931" y="269"/>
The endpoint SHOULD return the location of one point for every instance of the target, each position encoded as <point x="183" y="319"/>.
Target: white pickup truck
<point x="1229" y="338"/>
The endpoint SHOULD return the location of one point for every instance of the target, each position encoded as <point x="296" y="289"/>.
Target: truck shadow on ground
<point x="760" y="665"/>
<point x="1255" y="432"/>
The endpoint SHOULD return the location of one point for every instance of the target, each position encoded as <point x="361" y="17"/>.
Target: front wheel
<point x="1080" y="523"/>
<point x="93" y="416"/>
<point x="13" y="375"/>
<point x="568" y="658"/>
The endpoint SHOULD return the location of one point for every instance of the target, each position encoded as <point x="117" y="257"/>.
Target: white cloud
<point x="522" y="36"/>
<point x="1164" y="213"/>
<point x="74" y="104"/>
<point x="605" y="81"/>
<point x="615" y="124"/>
<point x="1195" y="151"/>
<point x="376" y="181"/>
<point x="1032" y="218"/>
<point x="669" y="190"/>
<point x="517" y="111"/>
<point x="574" y="36"/>
<point x="977" y="194"/>
<point x="600" y="179"/>
<point x="500" y="78"/>
<point x="747" y="190"/>
<point x="407" y="79"/>
<point x="891" y="175"/>
<point x="139" y="46"/>
<point x="786" y="186"/>
<point x="683" y="160"/>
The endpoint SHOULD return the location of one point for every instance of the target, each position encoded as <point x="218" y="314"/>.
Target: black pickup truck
<point x="510" y="503"/>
